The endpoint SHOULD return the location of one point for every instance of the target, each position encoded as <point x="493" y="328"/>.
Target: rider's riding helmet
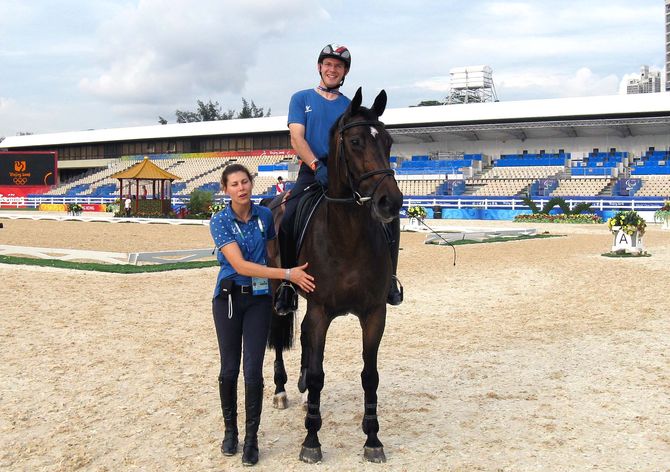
<point x="337" y="52"/>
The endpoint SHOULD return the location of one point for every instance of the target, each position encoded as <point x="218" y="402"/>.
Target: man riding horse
<point x="312" y="113"/>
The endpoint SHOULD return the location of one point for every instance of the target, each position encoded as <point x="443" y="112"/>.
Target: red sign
<point x="22" y="191"/>
<point x="93" y="207"/>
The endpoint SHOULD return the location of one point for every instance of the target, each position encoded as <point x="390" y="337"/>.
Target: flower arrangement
<point x="417" y="212"/>
<point x="216" y="207"/>
<point x="558" y="218"/>
<point x="75" y="208"/>
<point x="663" y="213"/>
<point x="628" y="221"/>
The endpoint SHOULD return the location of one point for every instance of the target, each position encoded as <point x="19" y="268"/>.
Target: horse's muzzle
<point x="386" y="207"/>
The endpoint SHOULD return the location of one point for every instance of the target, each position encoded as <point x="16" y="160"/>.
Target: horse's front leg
<point x="280" y="399"/>
<point x="313" y="339"/>
<point x="373" y="329"/>
<point x="279" y="334"/>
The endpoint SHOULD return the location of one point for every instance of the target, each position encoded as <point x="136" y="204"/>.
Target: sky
<point x="72" y="65"/>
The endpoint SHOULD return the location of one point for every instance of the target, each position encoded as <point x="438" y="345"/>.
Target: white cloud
<point x="543" y="83"/>
<point x="153" y="52"/>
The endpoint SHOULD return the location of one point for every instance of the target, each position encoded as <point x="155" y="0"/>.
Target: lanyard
<point x="244" y="242"/>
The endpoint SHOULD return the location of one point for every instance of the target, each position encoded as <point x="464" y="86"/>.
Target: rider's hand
<point x="302" y="279"/>
<point x="321" y="174"/>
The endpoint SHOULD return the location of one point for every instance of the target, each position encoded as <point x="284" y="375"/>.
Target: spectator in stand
<point x="280" y="186"/>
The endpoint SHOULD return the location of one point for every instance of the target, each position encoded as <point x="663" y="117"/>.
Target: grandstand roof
<point x="146" y="170"/>
<point x="626" y="115"/>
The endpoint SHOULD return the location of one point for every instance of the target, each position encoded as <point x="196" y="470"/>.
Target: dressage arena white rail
<point x="156" y="257"/>
<point x="94" y="217"/>
<point x="133" y="258"/>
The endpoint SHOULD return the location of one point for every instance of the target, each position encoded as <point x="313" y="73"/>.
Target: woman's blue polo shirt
<point x="251" y="237"/>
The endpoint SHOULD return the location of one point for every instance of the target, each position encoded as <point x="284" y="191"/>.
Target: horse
<point x="349" y="257"/>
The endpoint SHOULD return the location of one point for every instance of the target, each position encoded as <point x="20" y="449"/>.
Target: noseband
<point x="355" y="182"/>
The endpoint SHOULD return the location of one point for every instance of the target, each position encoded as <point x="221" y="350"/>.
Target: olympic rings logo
<point x="20" y="180"/>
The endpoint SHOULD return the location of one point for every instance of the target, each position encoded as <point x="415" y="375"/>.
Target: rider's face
<point x="332" y="72"/>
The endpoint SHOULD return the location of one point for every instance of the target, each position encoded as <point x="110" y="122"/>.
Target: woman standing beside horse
<point x="242" y="304"/>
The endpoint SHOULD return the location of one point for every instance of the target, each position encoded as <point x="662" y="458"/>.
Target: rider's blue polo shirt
<point x="251" y="237"/>
<point x="317" y="114"/>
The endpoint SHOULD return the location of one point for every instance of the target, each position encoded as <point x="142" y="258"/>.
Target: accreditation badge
<point x="260" y="286"/>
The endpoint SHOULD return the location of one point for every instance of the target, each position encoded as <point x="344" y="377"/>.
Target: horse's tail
<point x="282" y="331"/>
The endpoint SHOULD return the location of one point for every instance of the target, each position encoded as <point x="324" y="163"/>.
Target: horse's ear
<point x="356" y="102"/>
<point x="380" y="104"/>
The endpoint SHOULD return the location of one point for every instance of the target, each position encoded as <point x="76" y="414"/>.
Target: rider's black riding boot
<point x="253" y="400"/>
<point x="228" y="394"/>
<point x="395" y="295"/>
<point x="286" y="298"/>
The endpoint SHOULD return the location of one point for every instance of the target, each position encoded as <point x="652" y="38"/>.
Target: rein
<point x="354" y="183"/>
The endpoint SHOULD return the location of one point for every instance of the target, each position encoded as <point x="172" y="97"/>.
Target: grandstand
<point x="597" y="147"/>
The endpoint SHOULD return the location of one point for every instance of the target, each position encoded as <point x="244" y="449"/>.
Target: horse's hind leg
<point x="373" y="329"/>
<point x="314" y="328"/>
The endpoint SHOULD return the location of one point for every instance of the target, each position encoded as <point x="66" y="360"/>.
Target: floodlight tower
<point x="472" y="84"/>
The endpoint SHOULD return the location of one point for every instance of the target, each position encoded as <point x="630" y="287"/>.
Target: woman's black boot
<point x="228" y="394"/>
<point x="253" y="400"/>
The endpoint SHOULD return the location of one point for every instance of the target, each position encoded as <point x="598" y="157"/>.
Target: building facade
<point x="649" y="82"/>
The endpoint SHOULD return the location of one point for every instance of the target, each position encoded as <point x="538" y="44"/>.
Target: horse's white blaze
<point x="374" y="132"/>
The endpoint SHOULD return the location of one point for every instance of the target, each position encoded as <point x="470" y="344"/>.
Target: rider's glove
<point x="321" y="174"/>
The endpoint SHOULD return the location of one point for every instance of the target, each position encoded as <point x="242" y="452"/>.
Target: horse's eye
<point x="355" y="141"/>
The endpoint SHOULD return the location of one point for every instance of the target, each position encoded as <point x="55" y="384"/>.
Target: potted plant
<point x="628" y="227"/>
<point x="627" y="221"/>
<point x="416" y="215"/>
<point x="75" y="209"/>
<point x="662" y="215"/>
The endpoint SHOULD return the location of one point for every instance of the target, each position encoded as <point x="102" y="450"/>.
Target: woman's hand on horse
<point x="302" y="278"/>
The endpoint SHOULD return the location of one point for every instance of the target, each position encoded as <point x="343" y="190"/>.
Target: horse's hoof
<point x="374" y="454"/>
<point x="311" y="455"/>
<point x="280" y="401"/>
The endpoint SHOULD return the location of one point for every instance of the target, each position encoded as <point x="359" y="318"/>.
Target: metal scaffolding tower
<point x="472" y="84"/>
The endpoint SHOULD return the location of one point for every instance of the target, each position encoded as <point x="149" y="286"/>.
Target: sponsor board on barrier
<point x="64" y="207"/>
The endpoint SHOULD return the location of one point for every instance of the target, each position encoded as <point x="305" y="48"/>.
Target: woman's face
<point x="238" y="187"/>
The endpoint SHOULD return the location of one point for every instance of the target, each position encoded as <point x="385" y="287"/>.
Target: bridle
<point x="354" y="183"/>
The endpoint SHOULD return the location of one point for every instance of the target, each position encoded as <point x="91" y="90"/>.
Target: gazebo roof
<point x="145" y="170"/>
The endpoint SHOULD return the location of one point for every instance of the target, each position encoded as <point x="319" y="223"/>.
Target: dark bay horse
<point x="349" y="256"/>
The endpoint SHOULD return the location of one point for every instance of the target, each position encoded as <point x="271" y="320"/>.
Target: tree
<point x="251" y="110"/>
<point x="211" y="111"/>
<point x="199" y="202"/>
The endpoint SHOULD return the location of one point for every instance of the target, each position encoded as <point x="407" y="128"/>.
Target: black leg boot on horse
<point x="253" y="400"/>
<point x="228" y="394"/>
<point x="392" y="232"/>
